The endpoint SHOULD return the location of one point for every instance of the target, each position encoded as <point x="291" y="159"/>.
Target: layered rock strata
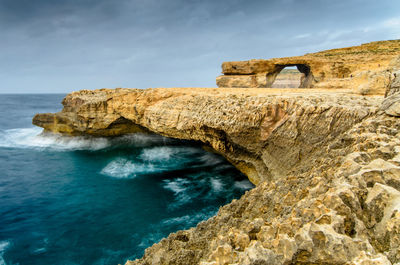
<point x="365" y="69"/>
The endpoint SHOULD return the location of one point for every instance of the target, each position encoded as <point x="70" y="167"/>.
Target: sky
<point x="59" y="46"/>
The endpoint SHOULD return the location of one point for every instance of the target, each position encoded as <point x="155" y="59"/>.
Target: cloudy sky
<point x="53" y="46"/>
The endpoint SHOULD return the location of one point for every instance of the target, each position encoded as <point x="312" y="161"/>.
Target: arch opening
<point x="290" y="76"/>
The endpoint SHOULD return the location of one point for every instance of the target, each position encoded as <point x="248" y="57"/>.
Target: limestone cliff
<point x="326" y="164"/>
<point x="343" y="206"/>
<point x="264" y="133"/>
<point x="365" y="69"/>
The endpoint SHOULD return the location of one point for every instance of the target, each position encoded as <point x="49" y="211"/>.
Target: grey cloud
<point x="64" y="45"/>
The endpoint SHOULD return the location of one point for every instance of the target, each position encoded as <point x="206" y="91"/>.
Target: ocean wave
<point x="190" y="219"/>
<point x="161" y="153"/>
<point x="124" y="168"/>
<point x="243" y="185"/>
<point x="150" y="239"/>
<point x="172" y="157"/>
<point x="180" y="187"/>
<point x="3" y="246"/>
<point x="216" y="185"/>
<point x="167" y="152"/>
<point x="34" y="138"/>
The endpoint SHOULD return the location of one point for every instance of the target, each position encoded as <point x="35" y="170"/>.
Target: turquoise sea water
<point x="96" y="200"/>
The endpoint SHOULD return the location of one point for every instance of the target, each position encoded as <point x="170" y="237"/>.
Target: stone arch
<point x="305" y="82"/>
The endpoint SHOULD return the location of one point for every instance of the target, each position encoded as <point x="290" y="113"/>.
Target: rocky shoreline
<point x="326" y="163"/>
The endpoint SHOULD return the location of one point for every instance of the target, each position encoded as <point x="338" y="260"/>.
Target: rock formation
<point x="326" y="164"/>
<point x="241" y="125"/>
<point x="365" y="69"/>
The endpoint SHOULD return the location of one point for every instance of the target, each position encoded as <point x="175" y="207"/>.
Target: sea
<point x="82" y="200"/>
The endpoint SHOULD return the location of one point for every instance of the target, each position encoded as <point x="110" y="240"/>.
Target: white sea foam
<point x="177" y="186"/>
<point x="39" y="250"/>
<point x="33" y="138"/>
<point x="180" y="187"/>
<point x="150" y="239"/>
<point x="210" y="159"/>
<point x="176" y="220"/>
<point x="217" y="185"/>
<point x="190" y="220"/>
<point x="3" y="246"/>
<point x="40" y="246"/>
<point x="124" y="168"/>
<point x="244" y="185"/>
<point x="161" y="153"/>
<point x="170" y="157"/>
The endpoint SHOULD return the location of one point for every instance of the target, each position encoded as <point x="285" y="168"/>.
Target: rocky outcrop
<point x="326" y="164"/>
<point x="365" y="69"/>
<point x="344" y="210"/>
<point x="264" y="133"/>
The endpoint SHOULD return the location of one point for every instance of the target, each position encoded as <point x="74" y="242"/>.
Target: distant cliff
<point x="326" y="163"/>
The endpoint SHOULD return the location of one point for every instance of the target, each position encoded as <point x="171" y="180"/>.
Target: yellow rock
<point x="365" y="69"/>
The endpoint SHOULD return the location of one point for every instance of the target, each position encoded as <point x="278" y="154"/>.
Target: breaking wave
<point x="34" y="138"/>
<point x="217" y="185"/>
<point x="190" y="219"/>
<point x="161" y="153"/>
<point x="59" y="205"/>
<point x="180" y="187"/>
<point x="124" y="168"/>
<point x="3" y="246"/>
<point x="244" y="184"/>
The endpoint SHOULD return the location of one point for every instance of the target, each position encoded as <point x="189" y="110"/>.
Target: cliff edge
<point x="326" y="164"/>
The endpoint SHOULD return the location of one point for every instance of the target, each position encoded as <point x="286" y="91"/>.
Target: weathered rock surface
<point x="391" y="104"/>
<point x="327" y="167"/>
<point x="326" y="164"/>
<point x="365" y="69"/>
<point x="264" y="133"/>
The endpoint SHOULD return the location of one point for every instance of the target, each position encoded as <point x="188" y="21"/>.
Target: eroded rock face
<point x="366" y="69"/>
<point x="344" y="210"/>
<point x="326" y="164"/>
<point x="391" y="104"/>
<point x="265" y="134"/>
